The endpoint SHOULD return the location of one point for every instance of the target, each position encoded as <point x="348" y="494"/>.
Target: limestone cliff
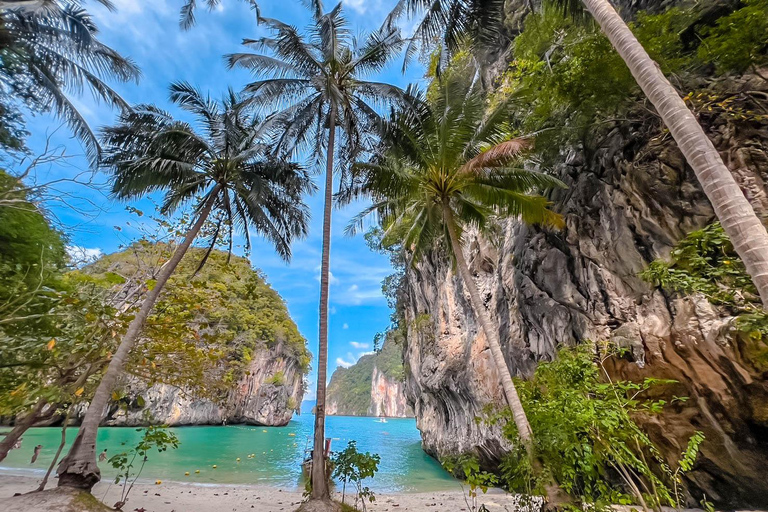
<point x="630" y="198"/>
<point x="373" y="386"/>
<point x="256" y="399"/>
<point x="242" y="359"/>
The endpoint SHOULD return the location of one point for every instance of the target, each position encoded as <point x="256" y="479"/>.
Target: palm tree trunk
<point x="319" y="478"/>
<point x="741" y="224"/>
<point x="15" y="434"/>
<point x="510" y="392"/>
<point x="79" y="469"/>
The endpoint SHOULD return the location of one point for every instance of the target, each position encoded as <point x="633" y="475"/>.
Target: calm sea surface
<point x="278" y="454"/>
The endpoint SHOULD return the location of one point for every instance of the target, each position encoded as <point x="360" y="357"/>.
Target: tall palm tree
<point x="448" y="166"/>
<point x="738" y="218"/>
<point x="318" y="84"/>
<point x="52" y="50"/>
<point x="223" y="167"/>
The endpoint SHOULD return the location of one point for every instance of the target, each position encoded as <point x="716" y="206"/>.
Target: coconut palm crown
<point x="51" y="51"/>
<point x="150" y="151"/>
<point x="448" y="26"/>
<point x="318" y="73"/>
<point x="449" y="163"/>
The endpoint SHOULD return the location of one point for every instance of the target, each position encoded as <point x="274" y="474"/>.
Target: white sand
<point x="179" y="497"/>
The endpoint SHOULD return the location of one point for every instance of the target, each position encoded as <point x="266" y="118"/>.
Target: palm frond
<point x="498" y="155"/>
<point x="187" y="12"/>
<point x="55" y="51"/>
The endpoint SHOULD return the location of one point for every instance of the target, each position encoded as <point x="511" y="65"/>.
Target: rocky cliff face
<point x="259" y="398"/>
<point x="387" y="396"/>
<point x="628" y="202"/>
<point x="238" y="357"/>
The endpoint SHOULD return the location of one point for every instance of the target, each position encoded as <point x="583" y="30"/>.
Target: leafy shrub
<point x="468" y="469"/>
<point x="153" y="437"/>
<point x="705" y="262"/>
<point x="352" y="467"/>
<point x="738" y="42"/>
<point x="587" y="439"/>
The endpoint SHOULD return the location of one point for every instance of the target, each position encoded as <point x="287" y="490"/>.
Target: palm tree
<point x="446" y="168"/>
<point x="738" y="218"/>
<point x="222" y="168"/>
<point x="50" y="50"/>
<point x="454" y="24"/>
<point x="317" y="83"/>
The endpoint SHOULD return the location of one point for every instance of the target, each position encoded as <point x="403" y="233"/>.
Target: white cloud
<point x="357" y="5"/>
<point x="353" y="288"/>
<point x="331" y="278"/>
<point x="344" y="364"/>
<point x="83" y="255"/>
<point x="345" y="326"/>
<point x="361" y="354"/>
<point x="357" y="344"/>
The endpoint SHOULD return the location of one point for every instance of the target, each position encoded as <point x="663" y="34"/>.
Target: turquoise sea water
<point x="404" y="466"/>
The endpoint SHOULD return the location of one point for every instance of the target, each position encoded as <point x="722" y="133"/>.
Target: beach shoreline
<point x="195" y="497"/>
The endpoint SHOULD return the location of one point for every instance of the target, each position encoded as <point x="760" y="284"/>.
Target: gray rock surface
<point x="255" y="400"/>
<point x="628" y="202"/>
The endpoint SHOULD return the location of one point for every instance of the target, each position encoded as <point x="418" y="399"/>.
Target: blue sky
<point x="148" y="32"/>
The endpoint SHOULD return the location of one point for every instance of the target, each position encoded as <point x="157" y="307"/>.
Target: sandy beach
<point x="180" y="497"/>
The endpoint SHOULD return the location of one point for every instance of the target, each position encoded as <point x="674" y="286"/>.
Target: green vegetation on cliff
<point x="565" y="82"/>
<point x="227" y="309"/>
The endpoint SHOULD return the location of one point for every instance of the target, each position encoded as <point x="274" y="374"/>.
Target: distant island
<point x="374" y="386"/>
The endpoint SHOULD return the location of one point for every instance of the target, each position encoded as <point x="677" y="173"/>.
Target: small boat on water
<point x="306" y="466"/>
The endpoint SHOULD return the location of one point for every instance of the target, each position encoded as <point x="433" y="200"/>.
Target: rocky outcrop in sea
<point x="373" y="386"/>
<point x="257" y="399"/>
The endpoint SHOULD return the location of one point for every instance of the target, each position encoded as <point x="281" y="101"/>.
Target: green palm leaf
<point x="149" y="151"/>
<point x="444" y="164"/>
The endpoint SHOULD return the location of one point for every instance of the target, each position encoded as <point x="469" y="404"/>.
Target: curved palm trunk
<point x="741" y="224"/>
<point x="79" y="469"/>
<point x="510" y="392"/>
<point x="319" y="482"/>
<point x="22" y="426"/>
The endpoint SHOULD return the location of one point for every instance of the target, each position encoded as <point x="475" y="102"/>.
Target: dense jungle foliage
<point x="564" y="80"/>
<point x="232" y="311"/>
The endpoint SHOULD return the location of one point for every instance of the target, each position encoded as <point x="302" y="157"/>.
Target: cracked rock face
<point x="387" y="396"/>
<point x="254" y="400"/>
<point x="628" y="202"/>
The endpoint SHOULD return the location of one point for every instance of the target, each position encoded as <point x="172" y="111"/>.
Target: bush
<point x="352" y="467"/>
<point x="587" y="439"/>
<point x="705" y="262"/>
<point x="277" y="379"/>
